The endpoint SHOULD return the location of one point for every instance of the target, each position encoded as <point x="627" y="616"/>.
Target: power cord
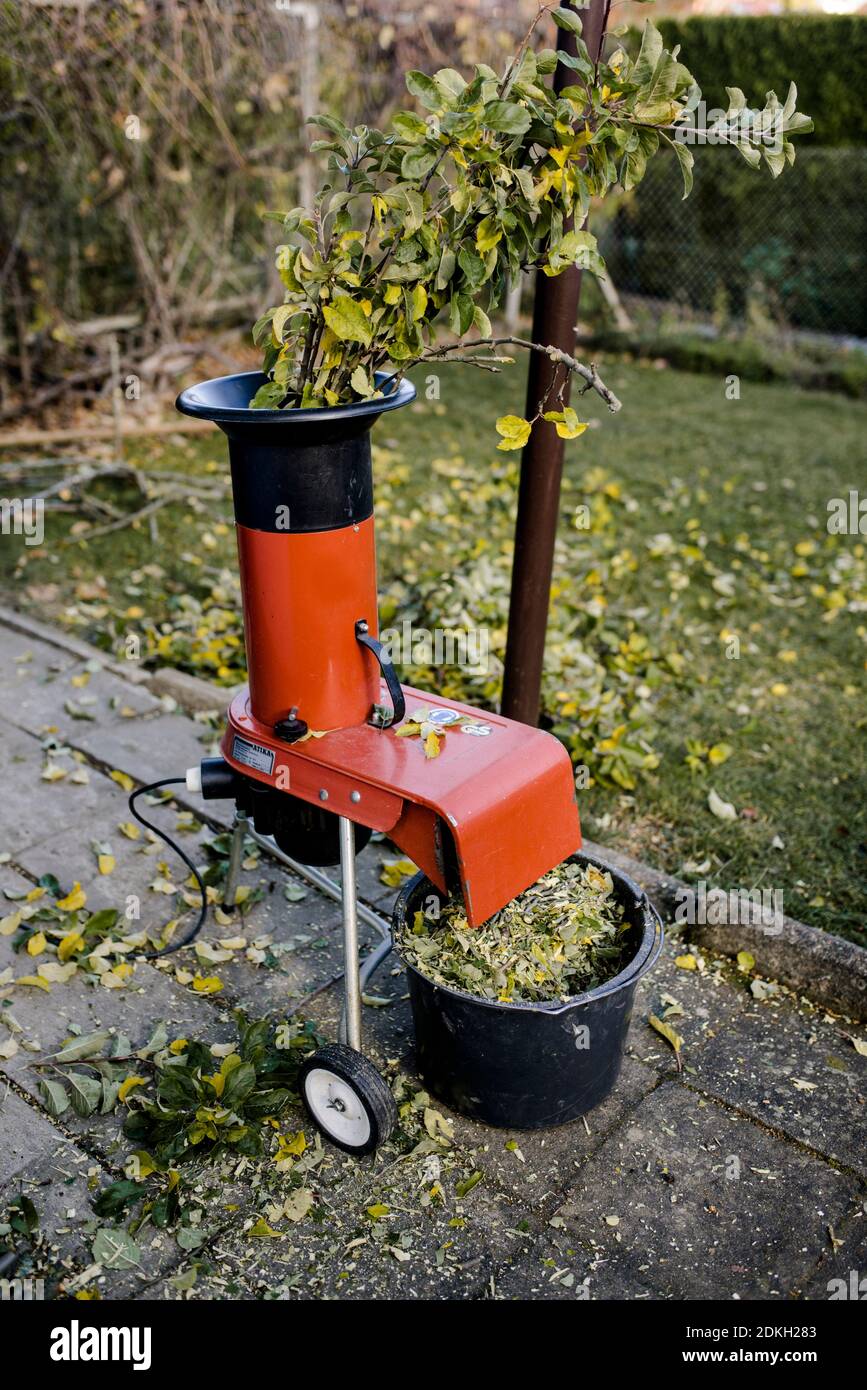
<point x="194" y="931"/>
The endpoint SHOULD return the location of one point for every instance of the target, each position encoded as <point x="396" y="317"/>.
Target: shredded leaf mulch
<point x="562" y="936"/>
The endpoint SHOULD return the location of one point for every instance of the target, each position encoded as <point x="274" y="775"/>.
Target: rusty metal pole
<point x="555" y="313"/>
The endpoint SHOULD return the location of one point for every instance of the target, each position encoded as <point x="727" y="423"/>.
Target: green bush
<point x="823" y="54"/>
<point x="748" y="357"/>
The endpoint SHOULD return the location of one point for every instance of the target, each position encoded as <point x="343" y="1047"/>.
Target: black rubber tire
<point x="362" y="1077"/>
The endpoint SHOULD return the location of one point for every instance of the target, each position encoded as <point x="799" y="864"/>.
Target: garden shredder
<point x="311" y="753"/>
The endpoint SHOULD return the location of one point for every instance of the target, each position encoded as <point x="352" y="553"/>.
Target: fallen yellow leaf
<point x="719" y="753"/>
<point x="290" y="1146"/>
<point x="11" y="923"/>
<point x="75" y="898"/>
<point x="671" y="1037"/>
<point x="262" y="1228"/>
<point x="139" y="1165"/>
<point x="432" y="745"/>
<point x="395" y="871"/>
<point x="207" y="984"/>
<point x="73" y="941"/>
<point x="128" y="1084"/>
<point x="55" y="973"/>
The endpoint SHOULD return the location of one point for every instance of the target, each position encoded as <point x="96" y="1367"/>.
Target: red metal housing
<point x="303" y="593"/>
<point x="506" y="802"/>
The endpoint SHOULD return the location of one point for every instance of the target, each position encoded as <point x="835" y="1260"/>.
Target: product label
<point x="252" y="754"/>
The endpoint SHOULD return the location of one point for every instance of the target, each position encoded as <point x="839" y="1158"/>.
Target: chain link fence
<point x="788" y="253"/>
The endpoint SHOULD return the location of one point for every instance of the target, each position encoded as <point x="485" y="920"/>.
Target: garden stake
<point x="555" y="313"/>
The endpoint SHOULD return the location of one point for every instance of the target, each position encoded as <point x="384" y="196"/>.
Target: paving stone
<point x="368" y="868"/>
<point x="301" y="941"/>
<point x="72" y="859"/>
<point x="26" y="1134"/>
<point x="547" y="1160"/>
<point x="27" y="661"/>
<point x="386" y="1033"/>
<point x="390" y="1024"/>
<point x="712" y="999"/>
<point x="150" y="749"/>
<point x="61" y="1186"/>
<point x="15" y="883"/>
<point x="704" y="1203"/>
<point x="542" y="1272"/>
<point x="33" y="810"/>
<point x="42" y="638"/>
<point x="47" y="1020"/>
<point x="315" y="956"/>
<point x="44" y="1022"/>
<point x="368" y="863"/>
<point x="314" y="922"/>
<point x="42" y="694"/>
<point x="544" y="1162"/>
<point x="842" y="1272"/>
<point x="339" y="1252"/>
<point x="795" y="1072"/>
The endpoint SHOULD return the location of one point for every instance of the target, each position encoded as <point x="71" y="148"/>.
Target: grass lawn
<point x="706" y="632"/>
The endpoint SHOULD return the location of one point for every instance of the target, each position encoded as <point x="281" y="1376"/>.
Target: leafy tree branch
<point x="417" y="231"/>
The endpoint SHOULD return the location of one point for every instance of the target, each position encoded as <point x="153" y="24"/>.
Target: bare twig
<point x="24" y="438"/>
<point x="589" y="375"/>
<point x="122" y="522"/>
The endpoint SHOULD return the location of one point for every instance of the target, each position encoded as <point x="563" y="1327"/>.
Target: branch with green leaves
<point x="417" y="232"/>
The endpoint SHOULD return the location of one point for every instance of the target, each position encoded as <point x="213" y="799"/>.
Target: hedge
<point x="811" y="368"/>
<point x="823" y="54"/>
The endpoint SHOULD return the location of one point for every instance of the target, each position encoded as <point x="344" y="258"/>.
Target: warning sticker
<point x="252" y="754"/>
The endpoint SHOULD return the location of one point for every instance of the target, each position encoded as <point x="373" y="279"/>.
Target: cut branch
<point x="589" y="375"/>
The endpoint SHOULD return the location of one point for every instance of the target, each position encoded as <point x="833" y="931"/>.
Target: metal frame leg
<point x="333" y="890"/>
<point x="349" y="900"/>
<point x="239" y="829"/>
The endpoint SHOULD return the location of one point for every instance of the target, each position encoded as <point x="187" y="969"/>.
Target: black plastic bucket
<point x="524" y="1065"/>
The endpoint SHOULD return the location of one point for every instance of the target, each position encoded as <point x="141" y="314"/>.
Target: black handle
<point x="395" y="689"/>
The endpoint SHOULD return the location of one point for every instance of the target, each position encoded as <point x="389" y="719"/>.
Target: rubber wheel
<point x="347" y="1099"/>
